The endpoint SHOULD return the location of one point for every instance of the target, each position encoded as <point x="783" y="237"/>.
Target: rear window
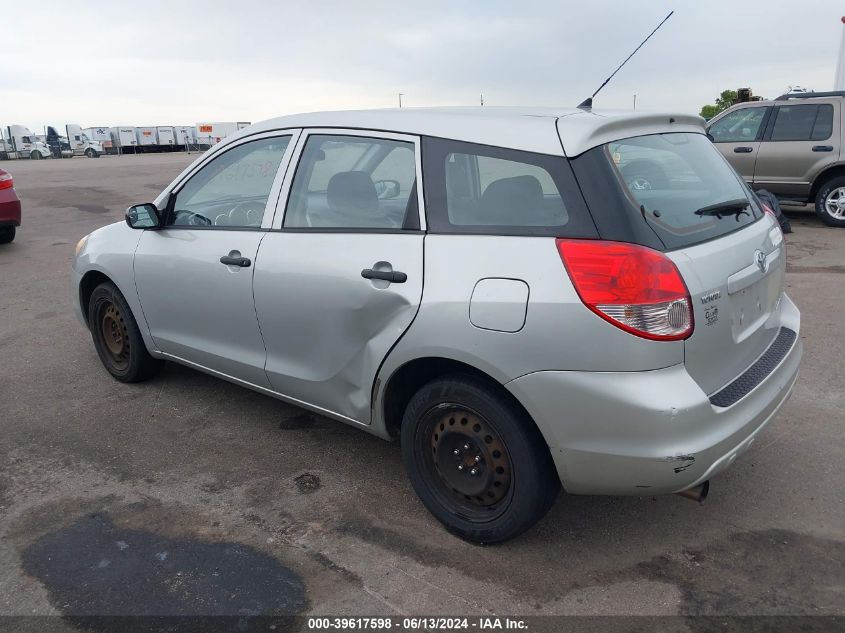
<point x="682" y="186"/>
<point x="471" y="188"/>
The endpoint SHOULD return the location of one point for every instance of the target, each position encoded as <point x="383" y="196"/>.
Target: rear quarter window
<point x="670" y="181"/>
<point x="482" y="189"/>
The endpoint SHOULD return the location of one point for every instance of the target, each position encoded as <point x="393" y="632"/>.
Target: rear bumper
<point x="651" y="432"/>
<point x="10" y="208"/>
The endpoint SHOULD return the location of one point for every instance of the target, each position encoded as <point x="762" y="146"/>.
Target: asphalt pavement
<point x="189" y="495"/>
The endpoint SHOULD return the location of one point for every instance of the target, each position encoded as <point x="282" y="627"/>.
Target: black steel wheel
<point x="476" y="460"/>
<point x="469" y="458"/>
<point x="117" y="338"/>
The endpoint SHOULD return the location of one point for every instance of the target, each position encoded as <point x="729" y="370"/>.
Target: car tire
<point x="644" y="175"/>
<point x="459" y="423"/>
<point x="7" y="234"/>
<point x="827" y="207"/>
<point x="117" y="338"/>
<point x="89" y="153"/>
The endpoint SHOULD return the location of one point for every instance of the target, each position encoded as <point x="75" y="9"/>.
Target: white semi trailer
<point x="124" y="139"/>
<point x="212" y="133"/>
<point x="147" y="139"/>
<point x="166" y="138"/>
<point x="185" y="134"/>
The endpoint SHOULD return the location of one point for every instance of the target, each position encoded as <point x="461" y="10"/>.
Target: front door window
<point x="231" y="191"/>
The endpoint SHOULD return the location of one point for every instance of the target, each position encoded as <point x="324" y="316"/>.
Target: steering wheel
<point x="249" y="213"/>
<point x="183" y="217"/>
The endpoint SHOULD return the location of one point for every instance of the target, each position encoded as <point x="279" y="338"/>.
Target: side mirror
<point x="143" y="216"/>
<point x="387" y="189"/>
<point x="710" y="136"/>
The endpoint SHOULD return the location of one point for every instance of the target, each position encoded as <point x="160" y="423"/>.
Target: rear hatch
<point x="730" y="253"/>
<point x="735" y="283"/>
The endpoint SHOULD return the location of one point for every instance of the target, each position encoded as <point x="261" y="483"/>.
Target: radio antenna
<point x="587" y="103"/>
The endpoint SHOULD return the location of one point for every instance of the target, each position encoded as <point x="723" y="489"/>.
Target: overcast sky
<point x="179" y="62"/>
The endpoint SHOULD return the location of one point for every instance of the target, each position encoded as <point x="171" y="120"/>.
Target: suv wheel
<point x="117" y="338"/>
<point x="476" y="461"/>
<point x="830" y="202"/>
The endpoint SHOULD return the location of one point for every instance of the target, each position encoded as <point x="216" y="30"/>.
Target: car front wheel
<point x="7" y="234"/>
<point x="830" y="202"/>
<point x="117" y="338"/>
<point x="476" y="460"/>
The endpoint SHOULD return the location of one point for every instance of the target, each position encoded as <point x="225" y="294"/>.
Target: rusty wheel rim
<point x="115" y="335"/>
<point x="472" y="470"/>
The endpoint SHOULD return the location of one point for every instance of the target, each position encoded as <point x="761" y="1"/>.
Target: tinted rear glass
<point x="803" y="123"/>
<point x="472" y="188"/>
<point x="676" y="182"/>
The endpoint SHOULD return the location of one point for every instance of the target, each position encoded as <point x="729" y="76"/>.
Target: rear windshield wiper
<point x="736" y="208"/>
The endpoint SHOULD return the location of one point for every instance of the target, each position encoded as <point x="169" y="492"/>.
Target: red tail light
<point x="6" y="181"/>
<point x="768" y="209"/>
<point x="635" y="288"/>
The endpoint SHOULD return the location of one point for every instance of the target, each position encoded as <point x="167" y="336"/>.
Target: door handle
<point x="822" y="148"/>
<point x="393" y="276"/>
<point x="743" y="150"/>
<point x="234" y="259"/>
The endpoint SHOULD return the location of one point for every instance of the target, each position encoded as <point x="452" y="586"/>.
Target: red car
<point x="10" y="208"/>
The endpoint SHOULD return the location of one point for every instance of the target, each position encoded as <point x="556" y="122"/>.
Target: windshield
<point x="682" y="187"/>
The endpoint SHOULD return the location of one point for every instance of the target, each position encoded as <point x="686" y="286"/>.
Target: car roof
<point x="531" y="129"/>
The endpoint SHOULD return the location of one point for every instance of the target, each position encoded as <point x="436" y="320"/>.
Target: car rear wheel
<point x="117" y="338"/>
<point x="644" y="175"/>
<point x="476" y="460"/>
<point x="7" y="234"/>
<point x="830" y="202"/>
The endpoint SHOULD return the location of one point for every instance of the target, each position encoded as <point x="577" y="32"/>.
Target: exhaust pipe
<point x="699" y="493"/>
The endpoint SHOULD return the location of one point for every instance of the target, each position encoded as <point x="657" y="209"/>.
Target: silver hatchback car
<point x="497" y="288"/>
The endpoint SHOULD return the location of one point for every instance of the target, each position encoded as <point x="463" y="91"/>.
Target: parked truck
<point x="19" y="142"/>
<point x="80" y="144"/>
<point x="58" y="144"/>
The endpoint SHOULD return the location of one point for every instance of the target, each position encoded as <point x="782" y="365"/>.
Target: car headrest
<point x="352" y="191"/>
<point x="505" y="199"/>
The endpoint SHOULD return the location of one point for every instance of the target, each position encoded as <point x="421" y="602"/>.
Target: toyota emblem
<point x="761" y="261"/>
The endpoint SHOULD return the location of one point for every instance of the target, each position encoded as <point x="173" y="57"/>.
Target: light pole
<point x="635" y="102"/>
<point x="400" y="98"/>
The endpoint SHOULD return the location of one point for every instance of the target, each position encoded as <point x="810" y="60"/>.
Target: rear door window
<point x="472" y="188"/>
<point x="682" y="187"/>
<point x="803" y="123"/>
<point x="354" y="182"/>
